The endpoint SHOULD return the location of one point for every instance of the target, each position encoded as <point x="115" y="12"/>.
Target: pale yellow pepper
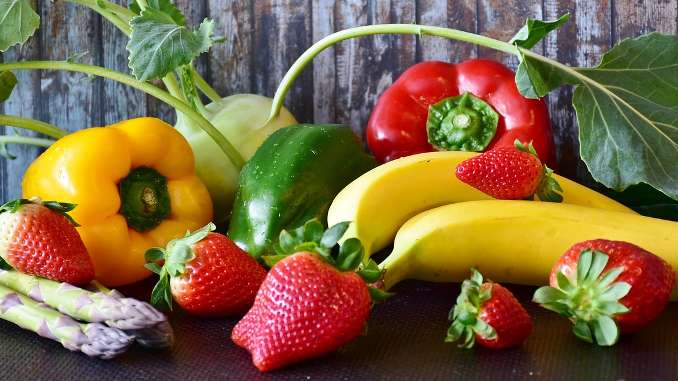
<point x="135" y="187"/>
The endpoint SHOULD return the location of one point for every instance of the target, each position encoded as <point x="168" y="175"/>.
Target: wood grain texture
<point x="264" y="37"/>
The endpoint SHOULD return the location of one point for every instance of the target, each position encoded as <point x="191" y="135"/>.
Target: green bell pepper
<point x="292" y="178"/>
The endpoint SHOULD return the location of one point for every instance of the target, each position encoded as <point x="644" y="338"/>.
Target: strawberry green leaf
<point x="18" y="21"/>
<point x="610" y="276"/>
<point x="583" y="331"/>
<point x="454" y="332"/>
<point x="158" y="45"/>
<point x="334" y="234"/>
<point x="484" y="330"/>
<point x="165" y="6"/>
<point x="7" y="83"/>
<point x="154" y="254"/>
<point x="370" y="272"/>
<point x="584" y="265"/>
<point x="313" y="231"/>
<point x="153" y="267"/>
<point x="564" y="282"/>
<point x="605" y="331"/>
<point x="616" y="291"/>
<point x="598" y="263"/>
<point x="549" y="189"/>
<point x="350" y="255"/>
<point x="4" y="265"/>
<point x="272" y="260"/>
<point x="161" y="295"/>
<point x="378" y="295"/>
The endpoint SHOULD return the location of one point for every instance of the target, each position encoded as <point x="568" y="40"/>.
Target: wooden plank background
<point x="265" y="36"/>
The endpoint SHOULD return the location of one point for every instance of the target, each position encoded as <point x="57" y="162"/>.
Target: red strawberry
<point x="207" y="274"/>
<point x="40" y="239"/>
<point x="489" y="314"/>
<point x="311" y="302"/>
<point x="607" y="288"/>
<point x="510" y="173"/>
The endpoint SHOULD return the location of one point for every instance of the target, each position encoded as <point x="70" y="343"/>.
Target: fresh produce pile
<point x="461" y="179"/>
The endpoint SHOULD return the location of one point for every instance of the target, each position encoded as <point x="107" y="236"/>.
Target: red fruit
<point x="40" y="239"/>
<point x="607" y="288"/>
<point x="207" y="273"/>
<point x="305" y="308"/>
<point x="489" y="314"/>
<point x="510" y="173"/>
<point x="310" y="303"/>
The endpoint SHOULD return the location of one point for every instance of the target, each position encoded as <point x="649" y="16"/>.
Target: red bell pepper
<point x="471" y="106"/>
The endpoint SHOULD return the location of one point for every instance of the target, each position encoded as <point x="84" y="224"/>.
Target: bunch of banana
<point x="441" y="227"/>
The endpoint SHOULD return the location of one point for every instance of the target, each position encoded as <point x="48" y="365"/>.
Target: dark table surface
<point x="404" y="342"/>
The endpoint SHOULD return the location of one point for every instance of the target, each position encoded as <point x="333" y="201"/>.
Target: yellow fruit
<point x="513" y="241"/>
<point x="379" y="202"/>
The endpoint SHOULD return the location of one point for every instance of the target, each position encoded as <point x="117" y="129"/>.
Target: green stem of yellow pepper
<point x="33" y="125"/>
<point x="176" y="103"/>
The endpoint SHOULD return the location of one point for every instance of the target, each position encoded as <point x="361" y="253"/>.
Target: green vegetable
<point x="242" y="120"/>
<point x="627" y="107"/>
<point x="292" y="178"/>
<point x="18" y="21"/>
<point x="93" y="339"/>
<point x="95" y="307"/>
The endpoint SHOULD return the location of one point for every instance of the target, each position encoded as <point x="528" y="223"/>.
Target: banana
<point x="513" y="241"/>
<point x="381" y="200"/>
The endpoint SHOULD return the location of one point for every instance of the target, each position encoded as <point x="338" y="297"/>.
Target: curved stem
<point x="27" y="140"/>
<point x="178" y="104"/>
<point x="421" y="30"/>
<point x="33" y="125"/>
<point x="204" y="86"/>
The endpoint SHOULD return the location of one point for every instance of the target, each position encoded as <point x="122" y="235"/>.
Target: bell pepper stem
<point x="33" y="125"/>
<point x="420" y="30"/>
<point x="162" y="95"/>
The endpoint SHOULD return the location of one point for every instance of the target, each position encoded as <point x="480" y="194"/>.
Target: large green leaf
<point x="165" y="6"/>
<point x="159" y="45"/>
<point x="18" y="21"/>
<point x="627" y="110"/>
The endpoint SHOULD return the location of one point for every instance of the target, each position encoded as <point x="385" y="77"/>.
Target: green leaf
<point x="286" y="242"/>
<point x="18" y="21"/>
<point x="529" y="80"/>
<point x="379" y="295"/>
<point x="535" y="30"/>
<point x="610" y="276"/>
<point x="485" y="330"/>
<point x="370" y="272"/>
<point x="272" y="260"/>
<point x="4" y="265"/>
<point x="627" y="110"/>
<point x="582" y="330"/>
<point x="334" y="234"/>
<point x="165" y="6"/>
<point x="350" y="255"/>
<point x="7" y="83"/>
<point x="154" y="254"/>
<point x="153" y="267"/>
<point x="158" y="45"/>
<point x="454" y="332"/>
<point x="476" y="277"/>
<point x="584" y="265"/>
<point x="564" y="282"/>
<point x="161" y="296"/>
<point x="597" y="266"/>
<point x="546" y="294"/>
<point x="612" y="308"/>
<point x="313" y="231"/>
<point x="616" y="292"/>
<point x="605" y="331"/>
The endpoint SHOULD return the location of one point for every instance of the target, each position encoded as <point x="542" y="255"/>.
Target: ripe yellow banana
<point x="513" y="241"/>
<point x="379" y="202"/>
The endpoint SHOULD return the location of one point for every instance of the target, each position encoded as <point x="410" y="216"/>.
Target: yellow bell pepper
<point x="135" y="186"/>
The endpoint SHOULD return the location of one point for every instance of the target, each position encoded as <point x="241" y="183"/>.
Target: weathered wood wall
<point x="265" y="36"/>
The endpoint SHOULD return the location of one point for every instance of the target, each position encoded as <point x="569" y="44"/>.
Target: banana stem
<point x="33" y="125"/>
<point x="420" y="30"/>
<point x="154" y="91"/>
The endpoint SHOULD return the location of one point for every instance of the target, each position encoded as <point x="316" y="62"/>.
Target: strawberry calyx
<point x="466" y="323"/>
<point x="590" y="299"/>
<point x="347" y="256"/>
<point x="61" y="208"/>
<point x="175" y="256"/>
<point x="548" y="189"/>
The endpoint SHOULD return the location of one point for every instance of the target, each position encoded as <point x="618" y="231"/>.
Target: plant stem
<point x="420" y="30"/>
<point x="190" y="92"/>
<point x="204" y="86"/>
<point x="177" y="104"/>
<point x="27" y="140"/>
<point x="33" y="125"/>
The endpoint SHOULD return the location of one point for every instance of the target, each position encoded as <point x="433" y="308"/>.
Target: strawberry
<point x="39" y="238"/>
<point x="607" y="288"/>
<point x="489" y="314"/>
<point x="206" y="273"/>
<point x="510" y="173"/>
<point x="312" y="301"/>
